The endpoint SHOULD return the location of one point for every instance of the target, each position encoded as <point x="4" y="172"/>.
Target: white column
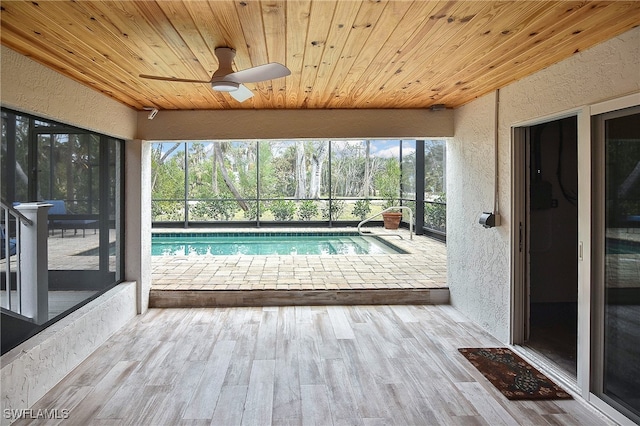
<point x="34" y="259"/>
<point x="137" y="220"/>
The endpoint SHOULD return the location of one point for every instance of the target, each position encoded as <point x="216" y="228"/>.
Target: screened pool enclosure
<point x="297" y="182"/>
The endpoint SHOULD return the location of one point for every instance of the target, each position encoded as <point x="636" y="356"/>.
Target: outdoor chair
<point x="59" y="218"/>
<point x="12" y="245"/>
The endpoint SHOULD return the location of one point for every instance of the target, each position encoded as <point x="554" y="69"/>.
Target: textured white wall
<point x="30" y="87"/>
<point x="32" y="368"/>
<point x="478" y="258"/>
<point x="138" y="219"/>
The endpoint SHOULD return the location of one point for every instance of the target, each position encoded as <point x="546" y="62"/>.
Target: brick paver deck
<point x="423" y="267"/>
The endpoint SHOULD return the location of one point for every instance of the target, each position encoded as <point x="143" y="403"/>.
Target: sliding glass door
<point x="617" y="242"/>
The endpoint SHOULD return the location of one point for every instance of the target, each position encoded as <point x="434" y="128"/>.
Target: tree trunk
<point x="317" y="162"/>
<point x="367" y="170"/>
<point x="226" y="178"/>
<point x="215" y="190"/>
<point x="301" y="172"/>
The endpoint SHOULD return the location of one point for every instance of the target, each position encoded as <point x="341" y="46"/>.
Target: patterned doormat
<point x="512" y="375"/>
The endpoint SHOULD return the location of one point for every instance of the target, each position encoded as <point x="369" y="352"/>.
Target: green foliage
<point x="336" y="210"/>
<point x="434" y="166"/>
<point x="167" y="211"/>
<point x="388" y="183"/>
<point x="252" y="212"/>
<point x="219" y="208"/>
<point x="356" y="173"/>
<point x="405" y="213"/>
<point x="283" y="210"/>
<point x="436" y="213"/>
<point x="362" y="209"/>
<point x="284" y="177"/>
<point x="307" y="210"/>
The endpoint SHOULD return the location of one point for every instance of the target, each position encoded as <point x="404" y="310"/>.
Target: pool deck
<point x="422" y="268"/>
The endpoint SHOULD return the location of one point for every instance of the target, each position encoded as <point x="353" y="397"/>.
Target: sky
<point x="382" y="148"/>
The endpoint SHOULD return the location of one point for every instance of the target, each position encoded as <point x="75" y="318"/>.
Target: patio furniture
<point x="12" y="245"/>
<point x="59" y="218"/>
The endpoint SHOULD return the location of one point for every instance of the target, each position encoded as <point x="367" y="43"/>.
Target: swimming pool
<point x="621" y="246"/>
<point x="268" y="243"/>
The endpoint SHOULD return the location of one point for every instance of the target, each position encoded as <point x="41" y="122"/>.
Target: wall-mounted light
<point x="152" y="113"/>
<point x="489" y="220"/>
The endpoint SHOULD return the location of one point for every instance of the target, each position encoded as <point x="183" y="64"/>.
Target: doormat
<point x="512" y="375"/>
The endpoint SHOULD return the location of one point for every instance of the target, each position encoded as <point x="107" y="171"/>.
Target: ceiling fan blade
<point x="242" y="94"/>
<point x="259" y="73"/>
<point x="178" y="80"/>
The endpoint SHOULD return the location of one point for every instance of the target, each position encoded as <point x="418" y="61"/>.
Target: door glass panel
<point x="622" y="262"/>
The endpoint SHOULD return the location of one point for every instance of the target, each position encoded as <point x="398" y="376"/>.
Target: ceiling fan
<point x="226" y="80"/>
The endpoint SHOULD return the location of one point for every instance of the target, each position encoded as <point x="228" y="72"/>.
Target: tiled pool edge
<point x="375" y="244"/>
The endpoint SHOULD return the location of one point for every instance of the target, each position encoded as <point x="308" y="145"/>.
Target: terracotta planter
<point x="392" y="220"/>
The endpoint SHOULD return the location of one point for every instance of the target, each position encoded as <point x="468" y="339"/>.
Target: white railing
<point x="24" y="240"/>
<point x="11" y="248"/>
<point x="384" y="211"/>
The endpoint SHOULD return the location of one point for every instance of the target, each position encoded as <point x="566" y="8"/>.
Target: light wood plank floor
<point x="334" y="365"/>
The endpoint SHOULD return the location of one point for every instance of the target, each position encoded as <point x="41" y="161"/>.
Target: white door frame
<point x="611" y="108"/>
<point x="585" y="353"/>
<point x="519" y="232"/>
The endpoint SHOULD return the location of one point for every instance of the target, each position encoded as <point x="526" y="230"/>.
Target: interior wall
<point x="478" y="259"/>
<point x="554" y="229"/>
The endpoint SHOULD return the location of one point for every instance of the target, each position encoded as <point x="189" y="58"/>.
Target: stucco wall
<point x="29" y="87"/>
<point x="32" y="368"/>
<point x="478" y="258"/>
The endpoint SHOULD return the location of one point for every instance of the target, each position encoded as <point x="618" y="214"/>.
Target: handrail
<point x="7" y="213"/>
<point x="15" y="212"/>
<point x="386" y="210"/>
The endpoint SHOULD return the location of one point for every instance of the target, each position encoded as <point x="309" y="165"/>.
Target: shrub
<point x="219" y="208"/>
<point x="283" y="209"/>
<point x="362" y="209"/>
<point x="436" y="213"/>
<point x="307" y="210"/>
<point x="252" y="212"/>
<point x="387" y="184"/>
<point x="337" y="208"/>
<point x="167" y="211"/>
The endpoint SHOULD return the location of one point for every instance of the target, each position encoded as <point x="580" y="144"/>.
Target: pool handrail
<point x="384" y="211"/>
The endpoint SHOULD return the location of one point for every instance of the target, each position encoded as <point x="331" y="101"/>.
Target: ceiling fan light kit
<point x="225" y="86"/>
<point x="226" y="80"/>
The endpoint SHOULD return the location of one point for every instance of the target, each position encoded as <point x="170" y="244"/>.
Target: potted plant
<point x="393" y="217"/>
<point x="388" y="184"/>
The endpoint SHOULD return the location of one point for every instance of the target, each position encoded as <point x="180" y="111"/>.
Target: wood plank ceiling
<point x="342" y="53"/>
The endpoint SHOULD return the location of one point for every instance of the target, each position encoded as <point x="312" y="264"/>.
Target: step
<point x="241" y="298"/>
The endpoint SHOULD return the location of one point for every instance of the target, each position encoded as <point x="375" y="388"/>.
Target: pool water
<point x="217" y="244"/>
<point x="617" y="246"/>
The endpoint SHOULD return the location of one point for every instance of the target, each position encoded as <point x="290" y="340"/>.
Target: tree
<point x="301" y="171"/>
<point x="318" y="158"/>
<point x="388" y="183"/>
<point x="225" y="176"/>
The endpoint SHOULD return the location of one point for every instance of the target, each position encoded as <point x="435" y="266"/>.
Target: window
<point x="293" y="181"/>
<point x="80" y="174"/>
